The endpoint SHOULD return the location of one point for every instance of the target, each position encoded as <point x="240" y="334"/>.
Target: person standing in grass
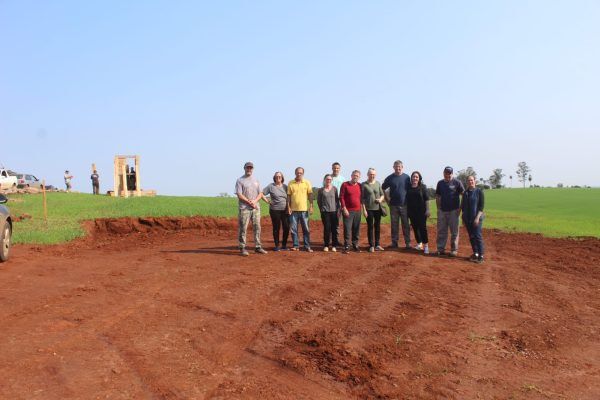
<point x="248" y="192"/>
<point x="398" y="184"/>
<point x="95" y="182"/>
<point x="300" y="206"/>
<point x="277" y="192"/>
<point x="68" y="178"/>
<point x="472" y="216"/>
<point x="447" y="198"/>
<point x="372" y="197"/>
<point x="350" y="200"/>
<point x="417" y="204"/>
<point x="328" y="201"/>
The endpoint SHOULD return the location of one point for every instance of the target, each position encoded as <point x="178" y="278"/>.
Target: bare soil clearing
<point x="165" y="308"/>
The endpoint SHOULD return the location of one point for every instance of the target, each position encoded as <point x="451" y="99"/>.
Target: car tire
<point x="5" y="242"/>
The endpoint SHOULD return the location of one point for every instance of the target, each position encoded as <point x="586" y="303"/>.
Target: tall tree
<point x="496" y="178"/>
<point x="523" y="171"/>
<point x="463" y="174"/>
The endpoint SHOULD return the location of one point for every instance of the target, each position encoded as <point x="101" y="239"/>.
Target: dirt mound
<point x="122" y="226"/>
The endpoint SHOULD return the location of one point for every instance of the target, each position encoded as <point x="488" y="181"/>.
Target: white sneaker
<point x="325" y="249"/>
<point x="426" y="250"/>
<point x="371" y="249"/>
<point x="334" y="249"/>
<point x="419" y="247"/>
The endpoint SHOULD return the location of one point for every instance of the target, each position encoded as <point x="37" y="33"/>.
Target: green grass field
<point x="552" y="212"/>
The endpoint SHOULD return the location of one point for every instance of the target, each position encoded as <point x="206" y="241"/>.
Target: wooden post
<point x="138" y="190"/>
<point x="44" y="199"/>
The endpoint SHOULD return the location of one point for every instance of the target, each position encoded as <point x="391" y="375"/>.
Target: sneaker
<point x="244" y="253"/>
<point x="419" y="247"/>
<point x="334" y="249"/>
<point x="371" y="249"/>
<point x="356" y="249"/>
<point x="379" y="248"/>
<point x="453" y="253"/>
<point x="439" y="253"/>
<point x="479" y="260"/>
<point x="276" y="248"/>
<point x="260" y="250"/>
<point x="325" y="249"/>
<point x="308" y="250"/>
<point x="426" y="250"/>
<point x="474" y="257"/>
<point x="346" y="250"/>
<point x="284" y="248"/>
<point x="294" y="249"/>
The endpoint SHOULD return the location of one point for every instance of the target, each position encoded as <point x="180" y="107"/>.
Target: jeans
<point x="447" y="220"/>
<point x="352" y="228"/>
<point x="398" y="214"/>
<point x="244" y="218"/>
<point x="279" y="218"/>
<point x="96" y="188"/>
<point x="475" y="236"/>
<point x="301" y="216"/>
<point x="419" y="224"/>
<point x="373" y="224"/>
<point x="330" y="228"/>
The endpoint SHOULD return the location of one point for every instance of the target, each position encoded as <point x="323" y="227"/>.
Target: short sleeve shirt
<point x="298" y="194"/>
<point x="278" y="196"/>
<point x="449" y="193"/>
<point x="249" y="187"/>
<point x="337" y="181"/>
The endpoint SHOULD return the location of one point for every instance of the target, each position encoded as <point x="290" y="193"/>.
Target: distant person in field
<point x="249" y="194"/>
<point x="372" y="198"/>
<point x="472" y="216"/>
<point x="68" y="178"/>
<point x="336" y="176"/>
<point x="95" y="182"/>
<point x="329" y="203"/>
<point x="447" y="198"/>
<point x="350" y="200"/>
<point x="300" y="206"/>
<point x="277" y="194"/>
<point x="398" y="184"/>
<point x="417" y="203"/>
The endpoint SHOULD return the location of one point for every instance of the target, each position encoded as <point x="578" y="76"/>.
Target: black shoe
<point x="356" y="249"/>
<point x="479" y="260"/>
<point x="394" y="245"/>
<point x="439" y="253"/>
<point x="474" y="257"/>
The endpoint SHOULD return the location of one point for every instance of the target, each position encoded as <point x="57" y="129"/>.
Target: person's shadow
<point x="223" y="251"/>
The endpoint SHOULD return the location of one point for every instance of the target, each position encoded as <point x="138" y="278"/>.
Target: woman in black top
<point x="472" y="216"/>
<point x="417" y="203"/>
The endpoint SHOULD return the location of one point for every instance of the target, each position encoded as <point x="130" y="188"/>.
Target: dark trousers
<point x="475" y="236"/>
<point x="373" y="227"/>
<point x="330" y="228"/>
<point x="352" y="228"/>
<point x="419" y="224"/>
<point x="280" y="218"/>
<point x="96" y="188"/>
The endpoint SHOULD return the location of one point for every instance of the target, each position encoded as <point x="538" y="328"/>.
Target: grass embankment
<point x="552" y="212"/>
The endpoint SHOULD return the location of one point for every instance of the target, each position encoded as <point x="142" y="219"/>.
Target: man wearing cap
<point x="249" y="194"/>
<point x="447" y="198"/>
<point x="300" y="205"/>
<point x="398" y="184"/>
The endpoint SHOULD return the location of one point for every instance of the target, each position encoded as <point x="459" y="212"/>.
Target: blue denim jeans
<point x="301" y="216"/>
<point x="475" y="236"/>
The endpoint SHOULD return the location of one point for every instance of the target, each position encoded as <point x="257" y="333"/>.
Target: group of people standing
<point x="349" y="200"/>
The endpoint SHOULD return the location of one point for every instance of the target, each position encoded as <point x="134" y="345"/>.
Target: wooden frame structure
<point x="120" y="177"/>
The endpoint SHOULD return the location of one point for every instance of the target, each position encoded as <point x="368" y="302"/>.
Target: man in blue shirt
<point x="447" y="198"/>
<point x="398" y="184"/>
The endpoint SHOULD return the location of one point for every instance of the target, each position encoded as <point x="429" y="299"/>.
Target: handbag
<point x="383" y="209"/>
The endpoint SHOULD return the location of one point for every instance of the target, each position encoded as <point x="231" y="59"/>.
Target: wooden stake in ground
<point x="45" y="205"/>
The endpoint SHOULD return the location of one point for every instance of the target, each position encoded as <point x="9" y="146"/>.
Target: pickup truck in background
<point x="7" y="181"/>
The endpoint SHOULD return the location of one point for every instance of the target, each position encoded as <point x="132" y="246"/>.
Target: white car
<point x="7" y="181"/>
<point x="5" y="229"/>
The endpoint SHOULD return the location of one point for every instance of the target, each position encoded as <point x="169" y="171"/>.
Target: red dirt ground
<point x="167" y="309"/>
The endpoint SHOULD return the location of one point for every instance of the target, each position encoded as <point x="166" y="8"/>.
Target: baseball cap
<point x="448" y="170"/>
<point x="248" y="164"/>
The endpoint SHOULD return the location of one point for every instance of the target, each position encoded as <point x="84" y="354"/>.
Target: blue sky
<point x="198" y="88"/>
